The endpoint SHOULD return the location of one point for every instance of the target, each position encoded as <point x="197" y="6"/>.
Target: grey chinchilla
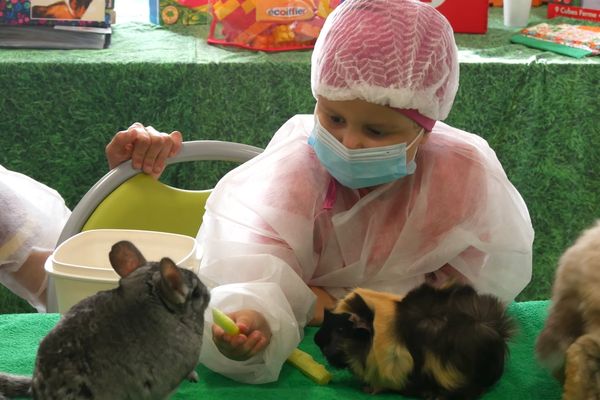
<point x="137" y="341"/>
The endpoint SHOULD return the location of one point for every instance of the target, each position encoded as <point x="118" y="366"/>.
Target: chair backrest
<point x="144" y="203"/>
<point x="127" y="199"/>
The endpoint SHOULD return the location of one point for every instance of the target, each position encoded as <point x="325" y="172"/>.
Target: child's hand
<point x="254" y="336"/>
<point x="147" y="148"/>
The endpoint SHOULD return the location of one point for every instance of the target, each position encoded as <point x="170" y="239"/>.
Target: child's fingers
<point x="244" y="322"/>
<point x="254" y="344"/>
<point x="254" y="338"/>
<point x="259" y="345"/>
<point x="161" y="147"/>
<point x="119" y="149"/>
<point x="222" y="337"/>
<point x="249" y="343"/>
<point x="147" y="148"/>
<point x="217" y="332"/>
<point x="157" y="145"/>
<point x="234" y="347"/>
<point x="177" y="139"/>
<point x="142" y="144"/>
<point x="238" y="340"/>
<point x="123" y="138"/>
<point x="136" y="125"/>
<point x="161" y="161"/>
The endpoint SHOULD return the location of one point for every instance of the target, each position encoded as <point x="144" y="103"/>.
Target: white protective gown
<point x="32" y="216"/>
<point x="279" y="223"/>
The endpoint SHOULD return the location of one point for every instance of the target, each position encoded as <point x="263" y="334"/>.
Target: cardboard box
<point x="588" y="10"/>
<point x="179" y="12"/>
<point x="465" y="16"/>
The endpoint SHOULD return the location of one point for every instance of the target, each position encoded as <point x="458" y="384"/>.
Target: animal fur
<point x="569" y="343"/>
<point x="435" y="343"/>
<point x="14" y="385"/>
<point x="137" y="341"/>
<point x="73" y="9"/>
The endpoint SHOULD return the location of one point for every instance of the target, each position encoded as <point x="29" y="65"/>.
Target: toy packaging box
<point x="465" y="16"/>
<point x="179" y="12"/>
<point x="568" y="39"/>
<point x="52" y="24"/>
<point x="268" y="25"/>
<point x="578" y="9"/>
<point x="93" y="13"/>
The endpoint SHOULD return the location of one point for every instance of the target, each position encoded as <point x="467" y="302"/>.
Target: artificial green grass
<point x="523" y="378"/>
<point x="538" y="110"/>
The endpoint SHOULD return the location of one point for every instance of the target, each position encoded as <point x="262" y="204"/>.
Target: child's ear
<point x="125" y="258"/>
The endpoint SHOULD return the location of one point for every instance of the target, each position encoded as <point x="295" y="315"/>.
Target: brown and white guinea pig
<point x="433" y="343"/>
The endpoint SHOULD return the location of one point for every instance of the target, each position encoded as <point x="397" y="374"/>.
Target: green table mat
<point x="523" y="378"/>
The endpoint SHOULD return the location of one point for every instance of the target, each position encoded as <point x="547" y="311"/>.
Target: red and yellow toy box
<point x="465" y="16"/>
<point x="268" y="25"/>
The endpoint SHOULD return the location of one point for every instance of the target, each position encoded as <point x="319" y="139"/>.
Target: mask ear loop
<point x="421" y="132"/>
<point x="416" y="138"/>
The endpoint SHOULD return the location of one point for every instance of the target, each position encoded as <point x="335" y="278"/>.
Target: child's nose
<point x="351" y="140"/>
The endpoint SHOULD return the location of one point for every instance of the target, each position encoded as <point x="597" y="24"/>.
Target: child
<point x="372" y="191"/>
<point x="31" y="218"/>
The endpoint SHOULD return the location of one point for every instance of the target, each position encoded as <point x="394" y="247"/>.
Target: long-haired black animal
<point x="435" y="343"/>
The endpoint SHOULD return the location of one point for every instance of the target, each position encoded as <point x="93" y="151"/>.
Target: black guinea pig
<point x="433" y="343"/>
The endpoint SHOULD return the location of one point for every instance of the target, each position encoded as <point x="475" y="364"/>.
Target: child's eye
<point x="375" y="132"/>
<point x="336" y="120"/>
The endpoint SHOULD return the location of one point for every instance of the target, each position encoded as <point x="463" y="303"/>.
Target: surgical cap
<point x="397" y="53"/>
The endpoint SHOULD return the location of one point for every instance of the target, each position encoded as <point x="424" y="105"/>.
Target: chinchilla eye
<point x="196" y="292"/>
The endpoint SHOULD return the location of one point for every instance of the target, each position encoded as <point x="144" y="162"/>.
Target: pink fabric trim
<point x="416" y="116"/>
<point x="330" y="196"/>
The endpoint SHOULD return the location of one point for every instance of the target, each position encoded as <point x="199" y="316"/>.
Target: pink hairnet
<point x="398" y="53"/>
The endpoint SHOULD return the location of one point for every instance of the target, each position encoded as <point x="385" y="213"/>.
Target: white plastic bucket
<point x="80" y="266"/>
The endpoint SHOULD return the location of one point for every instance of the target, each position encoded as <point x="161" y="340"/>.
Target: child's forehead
<point x="361" y="110"/>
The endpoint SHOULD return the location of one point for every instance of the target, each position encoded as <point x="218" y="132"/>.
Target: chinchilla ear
<point x="172" y="287"/>
<point x="125" y="258"/>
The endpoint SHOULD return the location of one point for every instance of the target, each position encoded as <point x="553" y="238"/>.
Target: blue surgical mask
<point x="361" y="168"/>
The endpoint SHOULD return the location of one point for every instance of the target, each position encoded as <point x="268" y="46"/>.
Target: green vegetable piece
<point x="221" y="319"/>
<point x="309" y="367"/>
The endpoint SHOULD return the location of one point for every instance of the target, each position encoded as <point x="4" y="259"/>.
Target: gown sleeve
<point x="251" y="261"/>
<point x="472" y="201"/>
<point x="32" y="216"/>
